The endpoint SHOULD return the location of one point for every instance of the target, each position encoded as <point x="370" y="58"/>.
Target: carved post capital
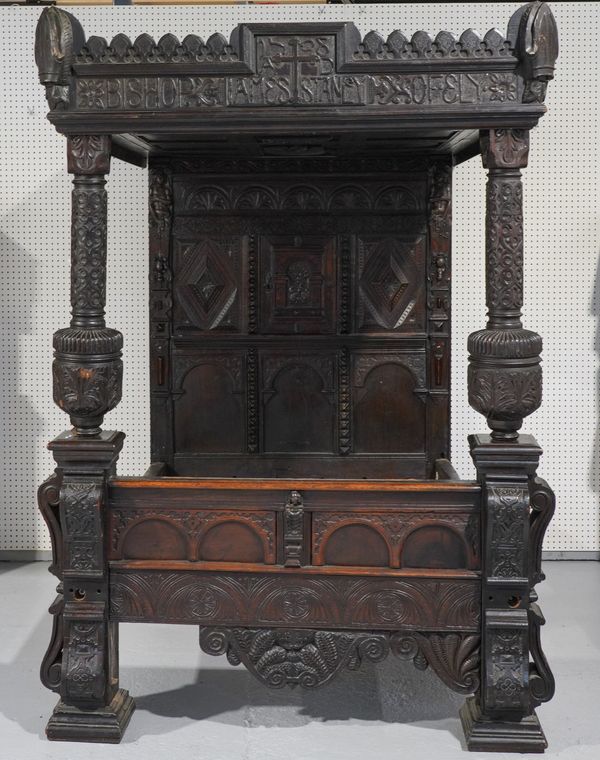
<point x="88" y="154"/>
<point x="504" y="148"/>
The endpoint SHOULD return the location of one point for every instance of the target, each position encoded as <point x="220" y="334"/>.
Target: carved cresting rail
<point x="296" y="610"/>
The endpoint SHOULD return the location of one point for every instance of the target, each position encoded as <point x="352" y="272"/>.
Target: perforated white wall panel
<point x="561" y="201"/>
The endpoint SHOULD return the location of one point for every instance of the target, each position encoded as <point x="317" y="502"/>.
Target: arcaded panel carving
<point x="193" y="525"/>
<point x="394" y="527"/>
<point x="274" y="600"/>
<point x="194" y="196"/>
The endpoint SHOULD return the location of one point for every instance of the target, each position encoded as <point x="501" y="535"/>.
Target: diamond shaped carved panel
<point x="207" y="283"/>
<point x="390" y="289"/>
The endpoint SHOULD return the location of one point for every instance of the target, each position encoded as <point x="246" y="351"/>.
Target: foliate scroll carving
<point x="507" y="669"/>
<point x="440" y="230"/>
<point x="508" y="512"/>
<point x="455" y="658"/>
<point x="58" y="38"/>
<point x="80" y="517"/>
<point x="505" y="148"/>
<point x="88" y="154"/>
<point x="88" y="248"/>
<point x="51" y="667"/>
<point x="87" y="391"/>
<point x="160" y="212"/>
<point x="293" y="531"/>
<point x="367" y="603"/>
<point x="84" y="678"/>
<point x="292" y="657"/>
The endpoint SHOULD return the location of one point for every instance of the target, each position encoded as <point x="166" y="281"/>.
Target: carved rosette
<point x="87" y="370"/>
<point x="505" y="379"/>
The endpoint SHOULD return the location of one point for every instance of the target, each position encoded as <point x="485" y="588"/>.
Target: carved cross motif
<point x="296" y="59"/>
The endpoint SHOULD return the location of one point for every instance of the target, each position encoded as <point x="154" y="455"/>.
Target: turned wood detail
<point x="87" y="370"/>
<point x="505" y="379"/>
<point x="312" y="658"/>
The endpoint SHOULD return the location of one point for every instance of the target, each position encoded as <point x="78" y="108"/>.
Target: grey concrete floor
<point x="191" y="705"/>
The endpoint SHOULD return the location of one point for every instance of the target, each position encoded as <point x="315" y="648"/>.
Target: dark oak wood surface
<point x="300" y="506"/>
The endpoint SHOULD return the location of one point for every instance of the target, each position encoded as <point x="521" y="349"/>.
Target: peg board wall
<point x="561" y="245"/>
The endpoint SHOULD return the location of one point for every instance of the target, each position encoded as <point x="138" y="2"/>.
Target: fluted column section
<point x="87" y="370"/>
<point x="505" y="379"/>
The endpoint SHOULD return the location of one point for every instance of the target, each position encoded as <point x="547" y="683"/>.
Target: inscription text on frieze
<point x="293" y="71"/>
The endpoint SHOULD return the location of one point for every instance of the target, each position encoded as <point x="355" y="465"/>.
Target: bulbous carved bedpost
<point x="505" y="385"/>
<point x="82" y="660"/>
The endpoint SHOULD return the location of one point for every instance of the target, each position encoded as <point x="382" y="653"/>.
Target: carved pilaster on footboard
<point x="517" y="507"/>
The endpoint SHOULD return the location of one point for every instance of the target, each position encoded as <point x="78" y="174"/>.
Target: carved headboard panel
<point x="300" y="316"/>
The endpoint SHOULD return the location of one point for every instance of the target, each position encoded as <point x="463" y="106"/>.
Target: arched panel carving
<point x="388" y="417"/>
<point x="356" y="544"/>
<point x="434" y="546"/>
<point x="231" y="541"/>
<point x="209" y="415"/>
<point x="299" y="415"/>
<point x="153" y="539"/>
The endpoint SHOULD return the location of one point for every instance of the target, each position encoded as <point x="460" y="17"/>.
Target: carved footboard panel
<point x="299" y="580"/>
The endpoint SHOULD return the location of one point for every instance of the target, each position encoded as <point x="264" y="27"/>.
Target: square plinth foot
<point x="105" y="724"/>
<point x="485" y="735"/>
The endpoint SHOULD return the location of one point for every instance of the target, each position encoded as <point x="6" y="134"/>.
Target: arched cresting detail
<point x="434" y="546"/>
<point x="356" y="543"/>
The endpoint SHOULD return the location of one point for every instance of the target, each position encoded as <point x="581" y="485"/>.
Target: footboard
<point x="318" y="574"/>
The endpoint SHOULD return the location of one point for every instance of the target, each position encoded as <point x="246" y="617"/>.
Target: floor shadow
<point x="390" y="692"/>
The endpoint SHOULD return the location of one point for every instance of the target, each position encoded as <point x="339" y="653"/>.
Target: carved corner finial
<point x="58" y="38"/>
<point x="535" y="37"/>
